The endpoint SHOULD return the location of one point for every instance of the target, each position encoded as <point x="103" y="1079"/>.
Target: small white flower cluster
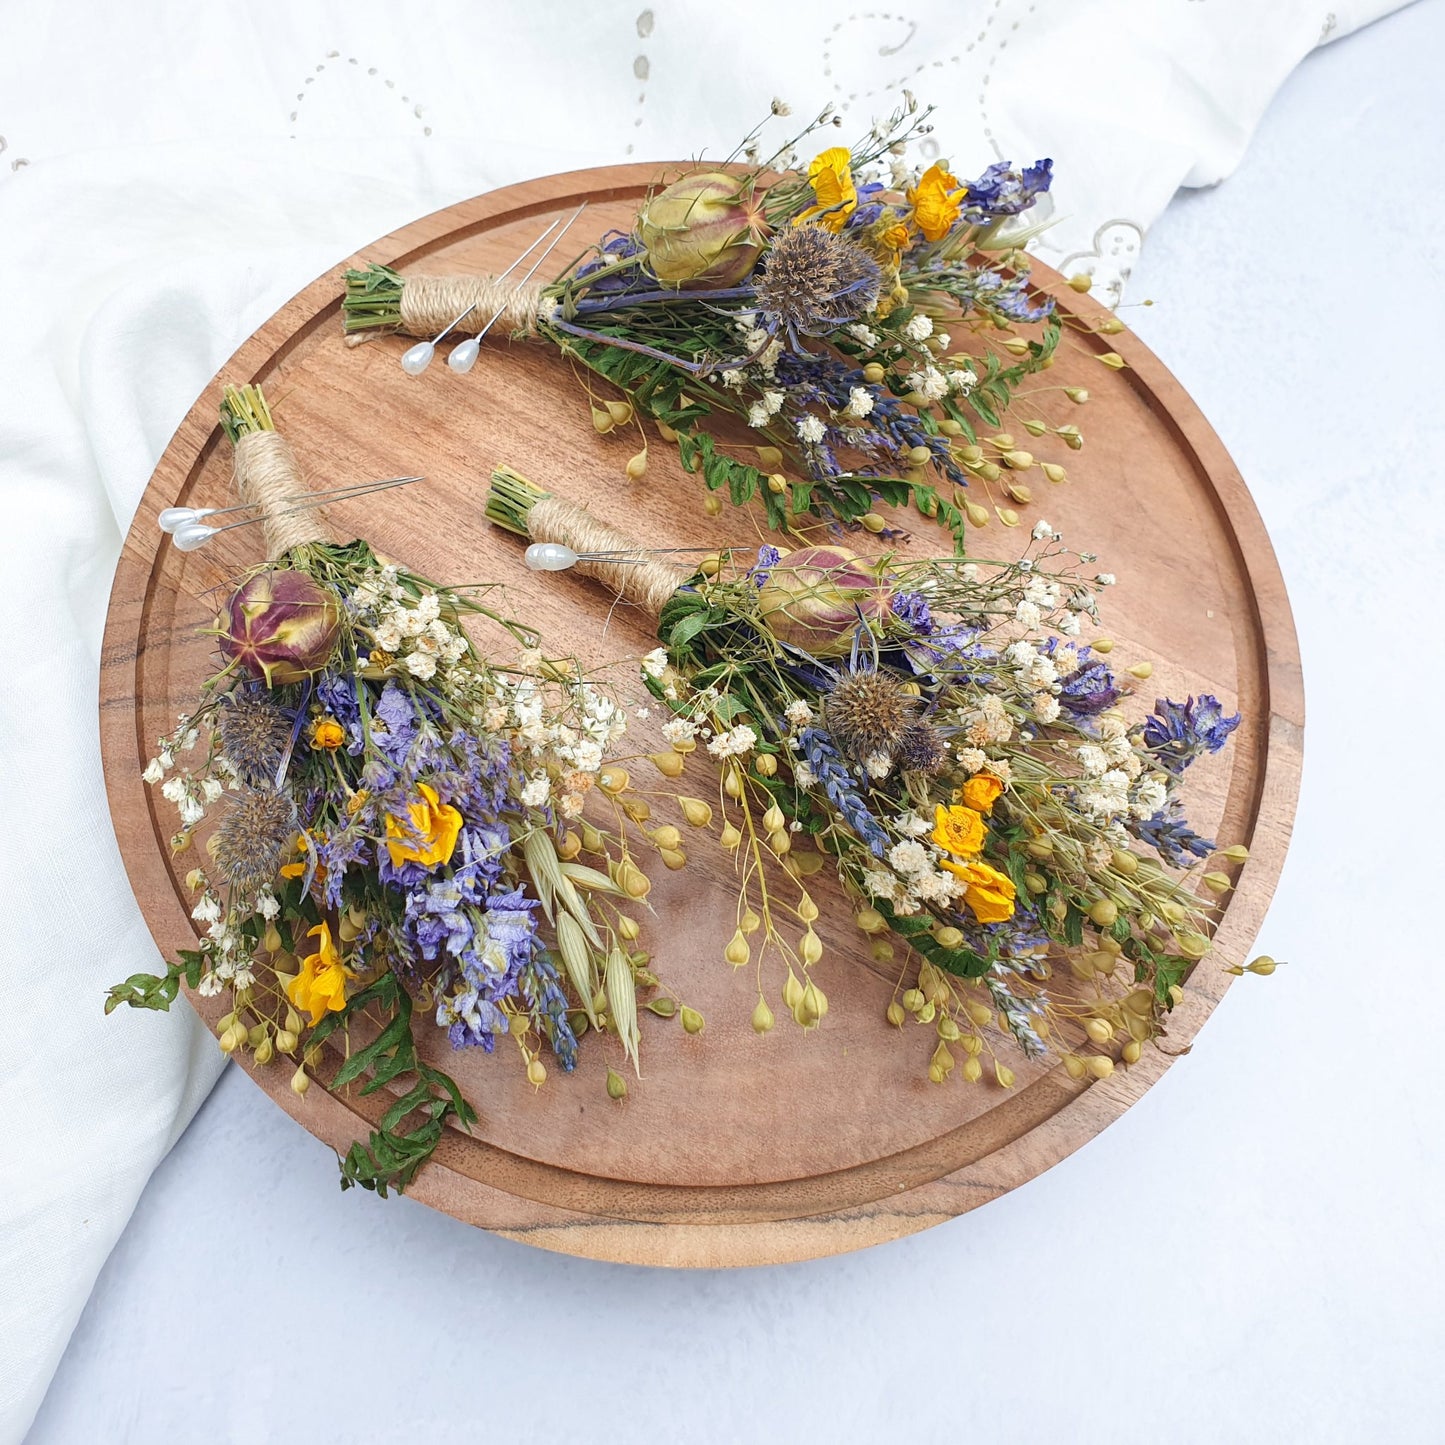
<point x="230" y="967"/>
<point x="737" y="742"/>
<point x="864" y="335"/>
<point x="766" y="349"/>
<point x="860" y="403"/>
<point x="1114" y="781"/>
<point x="811" y="430"/>
<point x="962" y="380"/>
<point x="987" y="723"/>
<point x="918" y="327"/>
<point x="913" y="877"/>
<point x="409" y="629"/>
<point x="762" y="411"/>
<point x="929" y="381"/>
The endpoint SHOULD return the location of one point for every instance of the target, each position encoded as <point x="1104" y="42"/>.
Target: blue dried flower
<point x="1180" y="732"/>
<point x="842" y="788"/>
<point x="1003" y="191"/>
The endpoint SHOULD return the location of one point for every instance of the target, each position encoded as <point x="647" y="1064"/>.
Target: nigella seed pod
<point x="704" y="230"/>
<point x="280" y="626"/>
<point x="817" y="597"/>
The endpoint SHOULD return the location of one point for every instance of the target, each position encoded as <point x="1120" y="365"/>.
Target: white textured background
<point x="1251" y="1254"/>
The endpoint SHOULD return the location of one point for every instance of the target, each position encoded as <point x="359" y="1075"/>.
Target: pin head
<point x="464" y="355"/>
<point x="190" y="535"/>
<point x="173" y="517"/>
<point x="416" y="359"/>
<point x="549" y="557"/>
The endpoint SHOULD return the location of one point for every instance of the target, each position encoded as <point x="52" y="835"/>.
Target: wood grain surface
<point x="733" y="1148"/>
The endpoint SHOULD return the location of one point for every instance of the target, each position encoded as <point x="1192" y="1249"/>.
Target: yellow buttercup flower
<point x="320" y="987"/>
<point x="427" y="835"/>
<point x="327" y="733"/>
<point x="935" y="201"/>
<point x="895" y="237"/>
<point x="831" y="177"/>
<point x="989" y="893"/>
<point x="958" y="830"/>
<point x="981" y="792"/>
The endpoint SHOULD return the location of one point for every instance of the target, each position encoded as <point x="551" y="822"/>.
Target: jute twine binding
<point x="647" y="583"/>
<point x="266" y="475"/>
<point x="429" y="304"/>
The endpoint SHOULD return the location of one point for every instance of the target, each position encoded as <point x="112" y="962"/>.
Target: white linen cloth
<point x="171" y="173"/>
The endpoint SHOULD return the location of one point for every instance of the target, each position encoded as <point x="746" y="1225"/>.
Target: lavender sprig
<point x="842" y="788"/>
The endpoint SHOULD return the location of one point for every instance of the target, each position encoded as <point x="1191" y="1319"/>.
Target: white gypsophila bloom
<point x="167" y="757"/>
<point x="655" y="663"/>
<point x="211" y="789"/>
<point x="209" y="986"/>
<point x="810" y="429"/>
<point x="454" y="650"/>
<point x="494" y="717"/>
<point x="758" y="415"/>
<point x="962" y="380"/>
<point x="860" y="402"/>
<point x="1046" y="707"/>
<point x="878" y="765"/>
<point x="1105" y="579"/>
<point x="733" y="380"/>
<point x="243" y="976"/>
<point x="1150" y="794"/>
<point x="865" y="335"/>
<point x="1042" y="672"/>
<point x="153" y="771"/>
<point x="1069" y="625"/>
<point x="680" y="730"/>
<point x="1092" y="760"/>
<point x="1042" y="530"/>
<point x="174" y="790"/>
<point x="919" y="327"/>
<point x="570" y="805"/>
<point x="410" y="621"/>
<point x="421" y="665"/>
<point x="366" y="596"/>
<point x="879" y="883"/>
<point x="734" y="743"/>
<point x="1112" y="725"/>
<point x="1002" y="769"/>
<point x="972" y="760"/>
<point x="207" y="909"/>
<point x="931" y="382"/>
<point x="1027" y="614"/>
<point x="387" y="636"/>
<point x="798" y="713"/>
<point x="1098" y="852"/>
<point x="943" y="340"/>
<point x="268" y="905"/>
<point x="428" y="607"/>
<point x="190" y="738"/>
<point x="1116" y="745"/>
<point x="537" y="791"/>
<point x="439" y="632"/>
<point x="910" y="857"/>
<point x="1020" y="654"/>
<point x="915" y="825"/>
<point x="768" y="361"/>
<point x="191" y="811"/>
<point x="969" y="571"/>
<point x="934" y="886"/>
<point x="642" y="713"/>
<point x="804" y="776"/>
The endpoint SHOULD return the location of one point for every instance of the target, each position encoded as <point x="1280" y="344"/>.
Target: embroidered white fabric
<point x="169" y="174"/>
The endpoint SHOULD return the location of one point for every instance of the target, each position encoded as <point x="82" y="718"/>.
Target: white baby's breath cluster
<point x="408" y="631"/>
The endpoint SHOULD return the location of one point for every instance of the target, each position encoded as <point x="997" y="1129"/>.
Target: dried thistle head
<point x="254" y="733"/>
<point x="252" y="837"/>
<point x="815" y="280"/>
<point x="921" y="748"/>
<point x="867" y="711"/>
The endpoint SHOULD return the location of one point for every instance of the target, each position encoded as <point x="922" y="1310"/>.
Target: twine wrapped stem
<point x="430" y="304"/>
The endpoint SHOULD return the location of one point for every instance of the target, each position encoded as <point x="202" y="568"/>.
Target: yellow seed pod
<point x="1174" y="912"/>
<point x="1217" y="882"/>
<point x="666" y="432"/>
<point x="613" y="779"/>
<point x="1003" y="1074"/>
<point x="265" y="1051"/>
<point x="346" y="929"/>
<point x="815" y="1001"/>
<point x="1007" y="516"/>
<point x="1039" y="848"/>
<point x="1100" y="1065"/>
<point x="777" y="484"/>
<point x="792" y="992"/>
<point x="872" y="522"/>
<point x="1124" y="862"/>
<point x="669" y="764"/>
<point x="737" y="952"/>
<point x="1074" y="1066"/>
<point x="762" y="1017"/>
<point x="990" y="471"/>
<point x="882" y="950"/>
<point x="696" y="811"/>
<point x="712" y="505"/>
<point x="770" y="457"/>
<point x="972" y="1069"/>
<point x="936" y="1074"/>
<point x="1016" y="346"/>
<point x="195" y="880"/>
<point x="1080" y="281"/>
<point x="730" y="837"/>
<point x="873" y="372"/>
<point x="1111" y="326"/>
<point x="1019" y="461"/>
<point x="915" y="398"/>
<point x="870" y="920"/>
<point x="1081" y="966"/>
<point x="633" y="881"/>
<point x="1104" y="645"/>
<point x="616" y="1086"/>
<point x="602" y="420"/>
<point x="807" y="909"/>
<point x="749" y="923"/>
<point x="666" y="836"/>
<point x="636" y="467"/>
<point x="1193" y="945"/>
<point x="1141" y="670"/>
<point x="765" y="765"/>
<point x="673" y="858"/>
<point x="286" y="1041"/>
<point x="1113" y="360"/>
<point x="733" y="784"/>
<point x="977" y="515"/>
<point x="231" y="1039"/>
<point x="569" y="845"/>
<point x="1176" y="995"/>
<point x="1073" y="437"/>
<point x="948" y="937"/>
<point x="312" y="1056"/>
<point x="810" y="948"/>
<point x="895" y="1014"/>
<point x="1103" y="912"/>
<point x="1035" y="427"/>
<point x="1138" y="1001"/>
<point x="919" y="456"/>
<point x="972" y="1043"/>
<point x="592" y="840"/>
<point x="780" y="842"/>
<point x="1104" y="962"/>
<point x="619" y="411"/>
<point x="1138" y="1027"/>
<point x="300" y="1082"/>
<point x="943" y="1057"/>
<point x="913" y="1000"/>
<point x="536" y="1073"/>
<point x="980" y="1014"/>
<point x="928" y="1012"/>
<point x="1236" y="853"/>
<point x="948" y="1030"/>
<point x="627" y="927"/>
<point x="1131" y="1051"/>
<point x="1019" y="493"/>
<point x="950" y="428"/>
<point x="1264" y="965"/>
<point x="256" y="1035"/>
<point x="1099" y="1030"/>
<point x="1053" y="472"/>
<point x="1036" y="883"/>
<point x="692" y="1021"/>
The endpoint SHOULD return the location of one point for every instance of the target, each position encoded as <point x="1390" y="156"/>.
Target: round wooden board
<point x="734" y="1148"/>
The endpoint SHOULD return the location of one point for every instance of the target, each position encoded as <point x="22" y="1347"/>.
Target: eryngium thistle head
<point x="253" y="836"/>
<point x="868" y="712"/>
<point x="921" y="749"/>
<point x="254" y="734"/>
<point x="815" y="281"/>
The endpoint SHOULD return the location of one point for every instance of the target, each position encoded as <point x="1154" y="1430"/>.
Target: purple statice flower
<point x="912" y="610"/>
<point x="336" y="854"/>
<point x="1171" y="837"/>
<point x="393" y="723"/>
<point x="842" y="788"/>
<point x="1004" y="191"/>
<point x="337" y="694"/>
<point x="488" y="965"/>
<point x="768" y="558"/>
<point x="1089" y="688"/>
<point x="1009" y="296"/>
<point x="1180" y="732"/>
